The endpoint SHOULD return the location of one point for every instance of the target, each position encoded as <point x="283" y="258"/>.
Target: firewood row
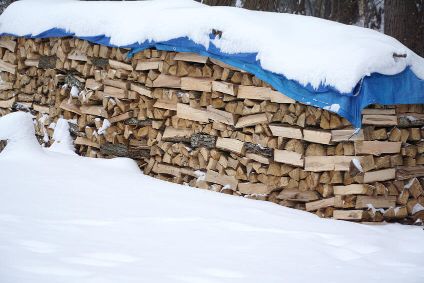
<point x="194" y="120"/>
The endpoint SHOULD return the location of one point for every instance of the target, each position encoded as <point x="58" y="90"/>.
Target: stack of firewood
<point x="194" y="120"/>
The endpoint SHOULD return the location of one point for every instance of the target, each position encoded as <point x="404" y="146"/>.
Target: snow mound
<point x="17" y="126"/>
<point x="62" y="139"/>
<point x="17" y="129"/>
<point x="306" y="49"/>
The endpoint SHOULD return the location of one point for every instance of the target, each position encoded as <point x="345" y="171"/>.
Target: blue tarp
<point x="402" y="88"/>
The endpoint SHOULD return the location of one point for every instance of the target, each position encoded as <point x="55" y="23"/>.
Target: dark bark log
<point x="255" y="148"/>
<point x="411" y="120"/>
<point x="99" y="62"/>
<point x="118" y="150"/>
<point x="138" y="123"/>
<point x="138" y="152"/>
<point x="202" y="140"/>
<point x="121" y="150"/>
<point x="47" y="62"/>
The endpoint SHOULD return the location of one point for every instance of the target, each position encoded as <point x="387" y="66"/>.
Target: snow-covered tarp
<point x="326" y="64"/>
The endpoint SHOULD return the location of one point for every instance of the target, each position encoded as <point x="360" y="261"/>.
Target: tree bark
<point x="344" y="11"/>
<point x="401" y="20"/>
<point x="219" y="2"/>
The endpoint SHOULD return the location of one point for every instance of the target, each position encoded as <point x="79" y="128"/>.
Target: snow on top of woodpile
<point x="302" y="48"/>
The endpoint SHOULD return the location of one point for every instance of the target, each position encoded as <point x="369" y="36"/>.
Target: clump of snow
<point x="74" y="91"/>
<point x="200" y="175"/>
<point x="357" y="164"/>
<point x="409" y="184"/>
<point x="226" y="187"/>
<point x="104" y="127"/>
<point x="18" y="130"/>
<point x="371" y="207"/>
<point x="42" y="122"/>
<point x="418" y="207"/>
<point x="62" y="139"/>
<point x="306" y="49"/>
<point x="67" y="218"/>
<point x="333" y="108"/>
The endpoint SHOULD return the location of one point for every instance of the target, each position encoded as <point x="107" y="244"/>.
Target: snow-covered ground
<point x="65" y="218"/>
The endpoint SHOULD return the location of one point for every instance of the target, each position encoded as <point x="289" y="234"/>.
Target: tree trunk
<point x="218" y="2"/>
<point x="401" y="20"/>
<point x="344" y="11"/>
<point x="262" y="5"/>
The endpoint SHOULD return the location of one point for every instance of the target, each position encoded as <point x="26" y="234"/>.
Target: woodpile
<point x="194" y="120"/>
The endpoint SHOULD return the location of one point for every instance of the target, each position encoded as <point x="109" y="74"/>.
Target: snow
<point x="357" y="164"/>
<point x="106" y="124"/>
<point x="333" y="108"/>
<point x="306" y="49"/>
<point x="66" y="218"/>
<point x="62" y="140"/>
<point x="417" y="208"/>
<point x="74" y="91"/>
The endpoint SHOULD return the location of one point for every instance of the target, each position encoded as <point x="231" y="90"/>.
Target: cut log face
<point x="317" y="136"/>
<point x="173" y="134"/>
<point x="190" y="57"/>
<point x="232" y="145"/>
<point x="186" y="112"/>
<point x="353" y="189"/>
<point x="194" y="120"/>
<point x="227" y="88"/>
<point x="376" y="202"/>
<point x="141" y="90"/>
<point x="380" y="175"/>
<point x="220" y="116"/>
<point x="379" y="120"/>
<point x="323" y="203"/>
<point x="346" y="135"/>
<point x="286" y="132"/>
<point x="256" y="188"/>
<point x="376" y="147"/>
<point x="7" y="67"/>
<point x="288" y="157"/>
<point x="328" y="163"/>
<point x="252" y="120"/>
<point x="147" y="65"/>
<point x="94" y="110"/>
<point x="216" y="178"/>
<point x="198" y="84"/>
<point x="348" y="214"/>
<point x="262" y="93"/>
<point x="167" y="81"/>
